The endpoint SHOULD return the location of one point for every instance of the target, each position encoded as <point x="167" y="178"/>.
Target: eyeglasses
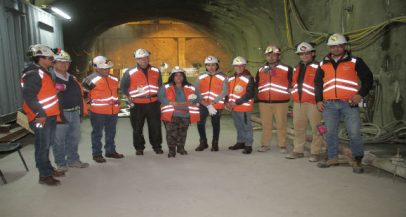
<point x="305" y="53"/>
<point x="50" y="58"/>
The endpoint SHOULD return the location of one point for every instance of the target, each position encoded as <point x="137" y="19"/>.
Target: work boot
<point x="314" y="158"/>
<point x="247" y="150"/>
<point x="214" y="146"/>
<point x="357" y="165"/>
<point x="49" y="180"/>
<point x="203" y="145"/>
<point x="114" y="155"/>
<point x="172" y="152"/>
<point x="329" y="163"/>
<point x="237" y="146"/>
<point x="294" y="155"/>
<point x="263" y="148"/>
<point x="181" y="150"/>
<point x="139" y="152"/>
<point x="99" y="159"/>
<point x="57" y="173"/>
<point x="158" y="151"/>
<point x="283" y="150"/>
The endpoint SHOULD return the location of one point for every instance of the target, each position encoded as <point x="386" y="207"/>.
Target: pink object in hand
<point x="60" y="87"/>
<point x="321" y="128"/>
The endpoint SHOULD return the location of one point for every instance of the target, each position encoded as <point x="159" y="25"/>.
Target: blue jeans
<point x="215" y="122"/>
<point x="242" y="122"/>
<point x="108" y="123"/>
<point x="44" y="137"/>
<point x="67" y="137"/>
<point x="332" y="113"/>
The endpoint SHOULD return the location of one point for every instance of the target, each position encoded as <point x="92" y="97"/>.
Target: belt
<point x="336" y="100"/>
<point x="76" y="108"/>
<point x="145" y="97"/>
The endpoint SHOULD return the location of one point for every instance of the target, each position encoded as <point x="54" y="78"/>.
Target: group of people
<point x="55" y="103"/>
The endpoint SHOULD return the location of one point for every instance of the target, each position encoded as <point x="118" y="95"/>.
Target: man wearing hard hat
<point x="41" y="106"/>
<point x="240" y="102"/>
<point x="141" y="84"/>
<point x="341" y="82"/>
<point x="272" y="83"/>
<point x="304" y="103"/>
<point x="104" y="107"/>
<point x="73" y="108"/>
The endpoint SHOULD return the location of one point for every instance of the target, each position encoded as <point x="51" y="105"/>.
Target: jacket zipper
<point x="210" y="85"/>
<point x="111" y="94"/>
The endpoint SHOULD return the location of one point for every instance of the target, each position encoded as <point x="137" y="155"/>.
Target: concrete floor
<point x="209" y="184"/>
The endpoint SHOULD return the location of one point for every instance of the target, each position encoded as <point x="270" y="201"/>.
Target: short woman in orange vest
<point x="179" y="107"/>
<point x="240" y="101"/>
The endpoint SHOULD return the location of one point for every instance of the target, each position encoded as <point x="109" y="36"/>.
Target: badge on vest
<point x="238" y="89"/>
<point x="140" y="89"/>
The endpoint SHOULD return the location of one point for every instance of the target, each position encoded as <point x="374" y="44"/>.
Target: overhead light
<point x="61" y="13"/>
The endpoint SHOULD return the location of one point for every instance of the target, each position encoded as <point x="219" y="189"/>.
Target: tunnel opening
<point x="171" y="43"/>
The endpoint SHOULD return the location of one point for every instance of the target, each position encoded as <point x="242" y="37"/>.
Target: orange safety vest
<point x="143" y="90"/>
<point x="341" y="83"/>
<point x="307" y="85"/>
<point x="237" y="87"/>
<point x="273" y="85"/>
<point x="168" y="110"/>
<point x="103" y="97"/>
<point x="47" y="97"/>
<point x="210" y="87"/>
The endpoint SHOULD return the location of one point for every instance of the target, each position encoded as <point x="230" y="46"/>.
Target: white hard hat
<point x="62" y="56"/>
<point x="272" y="48"/>
<point x="102" y="62"/>
<point x="211" y="60"/>
<point x="177" y="69"/>
<point x="140" y="53"/>
<point x="304" y="47"/>
<point x="336" y="39"/>
<point x="238" y="61"/>
<point x="38" y="50"/>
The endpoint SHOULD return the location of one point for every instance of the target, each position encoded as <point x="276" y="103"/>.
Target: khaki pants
<point x="302" y="114"/>
<point x="267" y="112"/>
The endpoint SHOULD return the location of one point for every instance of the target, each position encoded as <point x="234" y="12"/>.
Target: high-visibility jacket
<point x="307" y="85"/>
<point x="237" y="87"/>
<point x="210" y="87"/>
<point x="168" y="110"/>
<point x="143" y="89"/>
<point x="340" y="83"/>
<point x="273" y="84"/>
<point x="103" y="96"/>
<point x="47" y="96"/>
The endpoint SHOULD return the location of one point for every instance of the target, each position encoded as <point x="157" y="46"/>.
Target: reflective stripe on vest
<point x="239" y="83"/>
<point x="340" y="83"/>
<point x="168" y="110"/>
<point x="144" y="89"/>
<point x="273" y="83"/>
<point x="47" y="97"/>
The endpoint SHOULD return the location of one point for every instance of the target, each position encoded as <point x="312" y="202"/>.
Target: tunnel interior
<point x="246" y="27"/>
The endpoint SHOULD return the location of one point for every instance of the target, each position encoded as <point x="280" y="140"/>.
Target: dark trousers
<point x="152" y="112"/>
<point x="44" y="138"/>
<point x="108" y="123"/>
<point x="176" y="132"/>
<point x="215" y="122"/>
